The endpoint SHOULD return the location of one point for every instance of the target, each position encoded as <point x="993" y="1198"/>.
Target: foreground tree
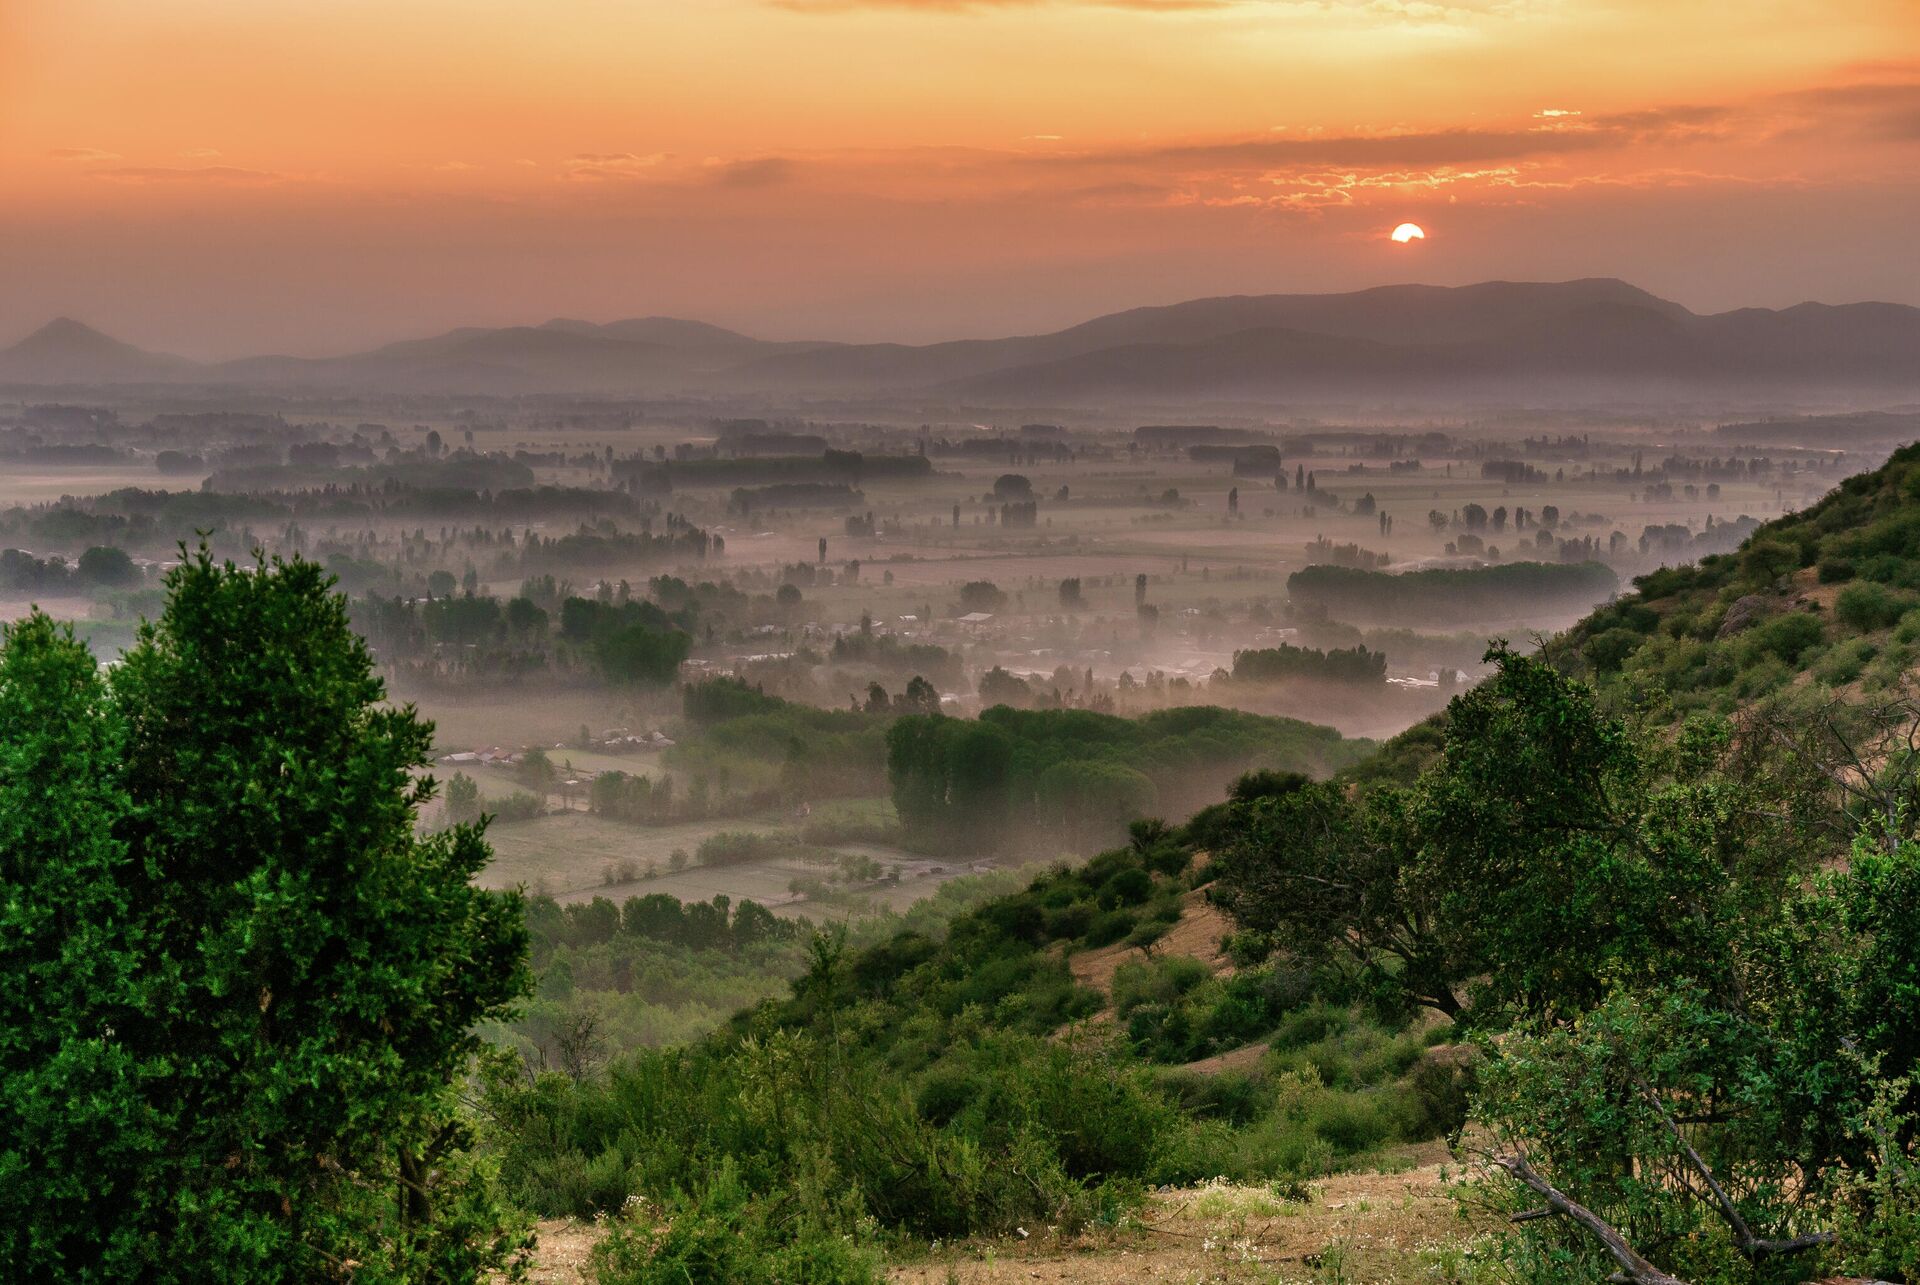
<point x="1696" y="1015"/>
<point x="1549" y="855"/>
<point x="73" y="1131"/>
<point x="304" y="970"/>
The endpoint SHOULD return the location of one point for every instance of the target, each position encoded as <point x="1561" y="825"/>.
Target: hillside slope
<point x="1818" y="606"/>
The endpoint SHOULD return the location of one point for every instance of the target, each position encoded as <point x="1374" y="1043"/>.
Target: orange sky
<point x="226" y="176"/>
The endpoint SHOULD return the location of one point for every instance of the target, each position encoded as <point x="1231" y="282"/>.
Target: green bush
<point x="1836" y="570"/>
<point x="1845" y="661"/>
<point x="1867" y="606"/>
<point x="1109" y="928"/>
<point x="722" y="1235"/>
<point x="1786" y="637"/>
<point x="1608" y="650"/>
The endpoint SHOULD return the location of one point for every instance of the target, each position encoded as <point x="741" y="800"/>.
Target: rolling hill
<point x="1815" y="609"/>
<point x="1573" y="340"/>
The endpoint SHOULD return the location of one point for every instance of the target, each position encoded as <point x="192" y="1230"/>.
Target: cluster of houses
<point x="494" y="757"/>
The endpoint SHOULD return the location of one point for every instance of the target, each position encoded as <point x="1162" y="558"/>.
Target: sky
<point x="226" y="177"/>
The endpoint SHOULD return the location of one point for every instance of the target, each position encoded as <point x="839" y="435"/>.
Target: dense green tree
<point x="463" y="799"/>
<point x="536" y="771"/>
<point x="981" y="595"/>
<point x="461" y="620"/>
<point x="526" y="617"/>
<point x="75" y="1136"/>
<point x="641" y="655"/>
<point x="920" y="697"/>
<point x="1319" y="877"/>
<point x="106" y="565"/>
<point x="998" y="687"/>
<point x="1548" y="855"/>
<point x="1091" y="800"/>
<point x="313" y="968"/>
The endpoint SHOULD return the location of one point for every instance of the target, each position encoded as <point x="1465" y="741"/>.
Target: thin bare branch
<point x="1634" y="1270"/>
<point x="1752" y="1248"/>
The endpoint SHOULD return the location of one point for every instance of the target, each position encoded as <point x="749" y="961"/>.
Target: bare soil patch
<point x="1197" y="936"/>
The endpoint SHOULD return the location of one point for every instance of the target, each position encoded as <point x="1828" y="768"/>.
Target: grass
<point x="1221" y="1200"/>
<point x="1398" y="1228"/>
<point x="568" y="854"/>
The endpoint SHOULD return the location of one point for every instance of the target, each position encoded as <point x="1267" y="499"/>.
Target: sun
<point x="1409" y="232"/>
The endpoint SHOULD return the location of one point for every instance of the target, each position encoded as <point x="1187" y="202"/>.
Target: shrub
<point x="1845" y="662"/>
<point x="1129" y="887"/>
<point x="721" y="1235"/>
<point x="518" y="806"/>
<point x="1609" y="650"/>
<point x="1786" y="637"/>
<point x="1867" y="606"/>
<point x="1109" y="928"/>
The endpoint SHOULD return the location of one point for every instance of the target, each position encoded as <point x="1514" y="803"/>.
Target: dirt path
<point x="561" y="1252"/>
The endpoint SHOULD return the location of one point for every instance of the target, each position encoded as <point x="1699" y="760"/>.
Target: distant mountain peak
<point x="69" y="351"/>
<point x="66" y="330"/>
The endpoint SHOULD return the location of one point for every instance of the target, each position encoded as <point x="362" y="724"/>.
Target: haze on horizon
<point x="214" y="178"/>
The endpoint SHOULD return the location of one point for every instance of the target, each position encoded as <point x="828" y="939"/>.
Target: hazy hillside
<point x="1819" y="606"/>
<point x="1577" y="339"/>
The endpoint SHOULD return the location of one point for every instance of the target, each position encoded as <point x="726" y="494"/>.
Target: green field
<point x="567" y="855"/>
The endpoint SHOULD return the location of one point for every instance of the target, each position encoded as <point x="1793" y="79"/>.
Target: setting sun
<point x="1409" y="232"/>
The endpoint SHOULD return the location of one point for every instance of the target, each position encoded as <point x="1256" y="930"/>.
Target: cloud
<point x="600" y="166"/>
<point x="1554" y="113"/>
<point x="980" y="6"/>
<point x="194" y="174"/>
<point x="1903" y="127"/>
<point x="761" y="171"/>
<point x="455" y="167"/>
<point x="1441" y="147"/>
<point x="1873" y="111"/>
<point x="201" y="154"/>
<point x="82" y="154"/>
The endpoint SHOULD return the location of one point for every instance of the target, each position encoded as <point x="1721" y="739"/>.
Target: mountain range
<point x="1593" y="337"/>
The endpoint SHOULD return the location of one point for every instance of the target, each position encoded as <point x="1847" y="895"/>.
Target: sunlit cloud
<point x="978" y="6"/>
<point x="82" y="154"/>
<point x="597" y="166"/>
<point x="188" y="174"/>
